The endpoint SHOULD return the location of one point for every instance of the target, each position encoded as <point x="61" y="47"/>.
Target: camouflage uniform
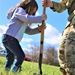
<point x="66" y="52"/>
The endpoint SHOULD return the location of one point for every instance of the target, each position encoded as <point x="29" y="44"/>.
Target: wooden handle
<point x="41" y="43"/>
<point x="42" y="33"/>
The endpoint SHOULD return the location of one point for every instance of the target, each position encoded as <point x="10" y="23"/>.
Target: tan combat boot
<point x="63" y="71"/>
<point x="69" y="74"/>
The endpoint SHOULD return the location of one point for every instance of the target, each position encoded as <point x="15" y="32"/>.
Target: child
<point x="20" y="18"/>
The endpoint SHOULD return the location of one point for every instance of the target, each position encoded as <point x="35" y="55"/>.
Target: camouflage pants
<point x="66" y="51"/>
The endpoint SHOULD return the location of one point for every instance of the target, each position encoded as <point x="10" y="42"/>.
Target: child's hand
<point x="40" y="28"/>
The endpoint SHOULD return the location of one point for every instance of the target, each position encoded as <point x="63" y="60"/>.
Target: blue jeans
<point x="13" y="49"/>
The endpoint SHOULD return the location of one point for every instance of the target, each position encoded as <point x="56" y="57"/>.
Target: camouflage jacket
<point x="62" y="5"/>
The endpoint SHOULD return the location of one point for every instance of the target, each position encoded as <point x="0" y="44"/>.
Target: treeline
<point x="50" y="56"/>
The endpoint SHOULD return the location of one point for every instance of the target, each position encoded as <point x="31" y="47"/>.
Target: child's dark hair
<point x="26" y="4"/>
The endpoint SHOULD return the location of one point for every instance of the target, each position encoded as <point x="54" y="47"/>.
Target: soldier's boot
<point x="69" y="73"/>
<point x="63" y="71"/>
<point x="66" y="73"/>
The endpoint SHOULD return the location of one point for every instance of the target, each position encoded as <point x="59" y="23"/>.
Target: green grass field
<point x="30" y="68"/>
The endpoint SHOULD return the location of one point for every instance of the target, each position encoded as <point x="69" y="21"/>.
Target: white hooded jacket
<point x="18" y="23"/>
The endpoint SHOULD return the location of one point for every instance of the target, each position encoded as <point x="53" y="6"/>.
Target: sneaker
<point x="14" y="69"/>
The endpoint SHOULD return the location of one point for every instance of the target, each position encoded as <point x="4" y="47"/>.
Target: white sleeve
<point x="31" y="31"/>
<point x="23" y="16"/>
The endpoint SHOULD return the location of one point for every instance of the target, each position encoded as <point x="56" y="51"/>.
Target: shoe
<point x="14" y="69"/>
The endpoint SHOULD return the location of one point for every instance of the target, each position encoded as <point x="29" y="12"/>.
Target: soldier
<point x="66" y="51"/>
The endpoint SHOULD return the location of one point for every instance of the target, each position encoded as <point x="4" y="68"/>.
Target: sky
<point x="55" y="25"/>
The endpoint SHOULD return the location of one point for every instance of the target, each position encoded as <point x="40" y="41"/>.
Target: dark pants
<point x="13" y="49"/>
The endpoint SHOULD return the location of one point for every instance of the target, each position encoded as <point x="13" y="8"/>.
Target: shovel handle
<point x="41" y="43"/>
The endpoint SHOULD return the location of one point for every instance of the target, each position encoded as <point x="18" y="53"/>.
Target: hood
<point x="11" y="11"/>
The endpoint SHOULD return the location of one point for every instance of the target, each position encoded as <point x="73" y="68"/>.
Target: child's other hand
<point x="40" y="28"/>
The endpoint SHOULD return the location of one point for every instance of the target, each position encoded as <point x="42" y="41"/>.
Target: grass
<point x="30" y="68"/>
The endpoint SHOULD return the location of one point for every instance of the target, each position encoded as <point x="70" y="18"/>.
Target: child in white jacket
<point x="20" y="18"/>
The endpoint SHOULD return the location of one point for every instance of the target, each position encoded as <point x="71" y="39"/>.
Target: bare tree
<point x="35" y="52"/>
<point x="50" y="56"/>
